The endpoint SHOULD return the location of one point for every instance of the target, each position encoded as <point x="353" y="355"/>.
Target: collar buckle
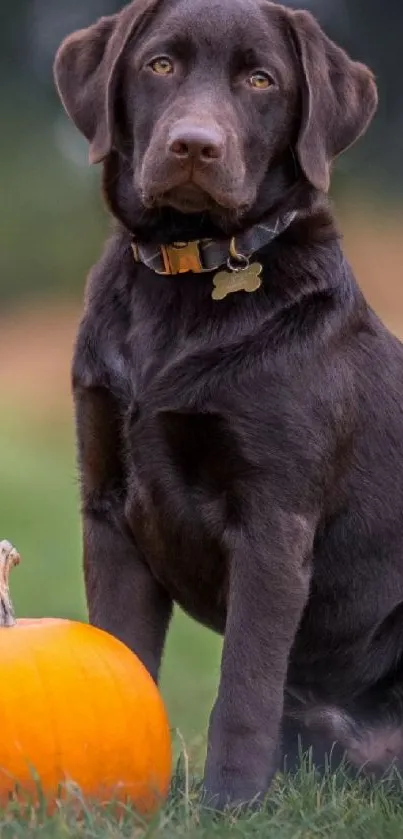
<point x="181" y="257"/>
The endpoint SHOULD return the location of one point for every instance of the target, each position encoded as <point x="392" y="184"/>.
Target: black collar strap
<point x="209" y="254"/>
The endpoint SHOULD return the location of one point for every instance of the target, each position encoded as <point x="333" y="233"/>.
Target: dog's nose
<point x="196" y="143"/>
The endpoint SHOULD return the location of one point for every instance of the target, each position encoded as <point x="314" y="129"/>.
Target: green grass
<point x="38" y="512"/>
<point x="303" y="807"/>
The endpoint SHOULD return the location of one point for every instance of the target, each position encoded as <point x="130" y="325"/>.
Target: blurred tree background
<point x="51" y="230"/>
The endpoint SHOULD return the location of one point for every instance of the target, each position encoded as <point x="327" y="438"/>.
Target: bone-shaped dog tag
<point x="243" y="279"/>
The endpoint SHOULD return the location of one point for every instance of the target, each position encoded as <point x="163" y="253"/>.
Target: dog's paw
<point x="223" y="800"/>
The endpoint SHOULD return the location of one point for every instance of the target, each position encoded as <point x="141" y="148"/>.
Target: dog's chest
<point x="179" y="506"/>
<point x="184" y="462"/>
<point x="182" y="495"/>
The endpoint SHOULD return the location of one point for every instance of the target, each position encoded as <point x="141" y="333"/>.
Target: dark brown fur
<point x="243" y="458"/>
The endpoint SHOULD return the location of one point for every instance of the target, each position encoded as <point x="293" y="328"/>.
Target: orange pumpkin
<point x="76" y="705"/>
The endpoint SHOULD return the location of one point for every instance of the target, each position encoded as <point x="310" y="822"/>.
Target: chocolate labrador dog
<point x="239" y="407"/>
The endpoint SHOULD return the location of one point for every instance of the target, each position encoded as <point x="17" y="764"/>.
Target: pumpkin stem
<point x="8" y="558"/>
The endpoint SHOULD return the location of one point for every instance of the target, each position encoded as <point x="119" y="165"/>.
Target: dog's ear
<point x="86" y="70"/>
<point x="339" y="98"/>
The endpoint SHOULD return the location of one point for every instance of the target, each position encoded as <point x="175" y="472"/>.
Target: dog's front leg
<point x="268" y="588"/>
<point x="123" y="597"/>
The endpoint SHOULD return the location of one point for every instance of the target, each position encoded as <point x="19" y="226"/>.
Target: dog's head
<point x="198" y="104"/>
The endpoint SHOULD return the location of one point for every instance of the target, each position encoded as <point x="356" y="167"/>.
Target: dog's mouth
<point x="195" y="194"/>
<point x="187" y="198"/>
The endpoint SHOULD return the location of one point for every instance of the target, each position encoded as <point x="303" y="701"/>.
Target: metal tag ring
<point x="236" y="261"/>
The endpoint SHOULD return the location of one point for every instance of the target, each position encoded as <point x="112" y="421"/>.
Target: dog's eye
<point x="260" y="80"/>
<point x="162" y="66"/>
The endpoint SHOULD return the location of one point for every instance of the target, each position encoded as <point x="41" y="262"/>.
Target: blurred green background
<point x="52" y="226"/>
